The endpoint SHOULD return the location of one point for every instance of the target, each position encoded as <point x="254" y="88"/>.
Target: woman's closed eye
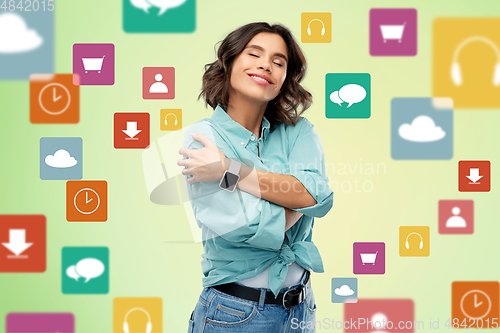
<point x="276" y="63"/>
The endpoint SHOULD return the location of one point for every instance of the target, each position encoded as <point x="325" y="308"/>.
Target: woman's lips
<point x="260" y="81"/>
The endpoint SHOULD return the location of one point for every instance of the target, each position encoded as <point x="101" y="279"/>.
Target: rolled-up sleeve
<point x="306" y="162"/>
<point x="235" y="216"/>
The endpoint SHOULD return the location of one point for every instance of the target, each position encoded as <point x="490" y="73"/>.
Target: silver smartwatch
<point x="231" y="176"/>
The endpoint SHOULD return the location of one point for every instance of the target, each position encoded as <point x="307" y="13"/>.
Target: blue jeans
<point x="217" y="312"/>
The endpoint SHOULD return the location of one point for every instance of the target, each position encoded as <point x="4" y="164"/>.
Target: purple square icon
<point x="42" y="322"/>
<point x="93" y="64"/>
<point x="369" y="258"/>
<point x="393" y="32"/>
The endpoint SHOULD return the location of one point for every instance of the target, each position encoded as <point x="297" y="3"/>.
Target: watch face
<point x="229" y="181"/>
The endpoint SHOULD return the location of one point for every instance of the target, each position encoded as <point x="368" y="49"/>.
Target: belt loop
<point x="262" y="299"/>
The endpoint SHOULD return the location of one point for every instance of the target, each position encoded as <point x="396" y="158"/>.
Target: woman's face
<point x="260" y="70"/>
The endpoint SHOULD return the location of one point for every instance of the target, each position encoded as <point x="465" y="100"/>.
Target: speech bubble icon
<point x="89" y="268"/>
<point x="352" y="93"/>
<point x="141" y="4"/>
<point x="71" y="272"/>
<point x="166" y="4"/>
<point x="334" y="97"/>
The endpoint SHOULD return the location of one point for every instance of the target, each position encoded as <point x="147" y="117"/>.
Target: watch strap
<point x="234" y="167"/>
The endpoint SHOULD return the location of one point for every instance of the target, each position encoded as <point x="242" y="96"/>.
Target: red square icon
<point x="131" y="130"/>
<point x="87" y="201"/>
<point x="456" y="216"/>
<point x="379" y="315"/>
<point x="158" y="83"/>
<point x="474" y="176"/>
<point x="23" y="243"/>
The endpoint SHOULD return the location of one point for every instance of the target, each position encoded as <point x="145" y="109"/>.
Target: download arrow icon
<point x="17" y="241"/>
<point x="474" y="175"/>
<point x="132" y="130"/>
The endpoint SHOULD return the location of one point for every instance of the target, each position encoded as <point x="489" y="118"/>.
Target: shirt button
<point x="252" y="138"/>
<point x="242" y="143"/>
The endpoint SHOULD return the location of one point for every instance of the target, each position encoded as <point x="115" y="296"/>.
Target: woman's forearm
<point x="280" y="189"/>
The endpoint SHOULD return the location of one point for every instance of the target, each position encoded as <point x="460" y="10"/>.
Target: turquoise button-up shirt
<point x="244" y="234"/>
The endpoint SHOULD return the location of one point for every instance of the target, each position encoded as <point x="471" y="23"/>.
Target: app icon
<point x="348" y="95"/>
<point x="379" y="315"/>
<point x="93" y="64"/>
<point x="344" y="290"/>
<point x="414" y="241"/>
<point x="421" y="128"/>
<point x="393" y="32"/>
<point x="158" y="83"/>
<point x="170" y="119"/>
<point x="456" y="216"/>
<point x="474" y="176"/>
<point x="85" y="270"/>
<point x="26" y="42"/>
<point x="369" y="258"/>
<point x="40" y="322"/>
<point x="87" y="201"/>
<point x="137" y="314"/>
<point x="23" y="243"/>
<point x="316" y="27"/>
<point x="131" y="130"/>
<point x="61" y="158"/>
<point x="466" y="61"/>
<point x="54" y="99"/>
<point x="475" y="303"/>
<point x="159" y="16"/>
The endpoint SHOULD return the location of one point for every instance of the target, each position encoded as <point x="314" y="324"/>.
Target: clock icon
<point x="86" y="201"/>
<point x="54" y="98"/>
<point x="475" y="304"/>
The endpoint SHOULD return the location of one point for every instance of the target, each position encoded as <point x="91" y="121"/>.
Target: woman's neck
<point x="247" y="113"/>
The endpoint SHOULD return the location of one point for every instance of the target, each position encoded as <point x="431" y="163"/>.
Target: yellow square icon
<point x="137" y="314"/>
<point x="170" y="119"/>
<point x="414" y="241"/>
<point x="466" y="61"/>
<point x="316" y="27"/>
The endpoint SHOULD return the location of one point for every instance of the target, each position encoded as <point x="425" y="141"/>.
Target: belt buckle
<point x="302" y="292"/>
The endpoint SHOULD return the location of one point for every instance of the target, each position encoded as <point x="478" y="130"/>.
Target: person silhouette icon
<point x="456" y="221"/>
<point x="379" y="322"/>
<point x="158" y="87"/>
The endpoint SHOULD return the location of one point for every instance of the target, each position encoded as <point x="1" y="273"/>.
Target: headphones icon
<point x="149" y="326"/>
<point x="456" y="73"/>
<point x="421" y="240"/>
<point x="174" y="116"/>
<point x="309" y="27"/>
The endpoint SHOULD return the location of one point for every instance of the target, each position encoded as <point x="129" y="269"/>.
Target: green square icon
<point x="348" y="95"/>
<point x="85" y="270"/>
<point x="145" y="16"/>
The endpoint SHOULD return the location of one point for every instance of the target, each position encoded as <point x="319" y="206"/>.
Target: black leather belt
<point x="289" y="299"/>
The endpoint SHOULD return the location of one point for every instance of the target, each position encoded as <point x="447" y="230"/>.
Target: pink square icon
<point x="158" y="83"/>
<point x="456" y="216"/>
<point x="93" y="64"/>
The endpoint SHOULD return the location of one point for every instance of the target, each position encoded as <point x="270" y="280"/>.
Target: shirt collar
<point x="235" y="128"/>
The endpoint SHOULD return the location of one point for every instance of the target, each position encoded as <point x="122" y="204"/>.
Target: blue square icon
<point x="27" y="40"/>
<point x="422" y="128"/>
<point x="344" y="290"/>
<point x="61" y="158"/>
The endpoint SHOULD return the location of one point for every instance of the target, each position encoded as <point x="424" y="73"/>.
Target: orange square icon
<point x="87" y="201"/>
<point x="475" y="304"/>
<point x="54" y="99"/>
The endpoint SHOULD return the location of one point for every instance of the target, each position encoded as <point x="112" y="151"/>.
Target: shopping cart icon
<point x="93" y="64"/>
<point x="368" y="258"/>
<point x="392" y="32"/>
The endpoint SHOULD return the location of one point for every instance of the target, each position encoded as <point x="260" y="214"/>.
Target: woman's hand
<point x="205" y="164"/>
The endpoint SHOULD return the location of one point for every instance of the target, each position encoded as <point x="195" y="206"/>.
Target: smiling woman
<point x="257" y="235"/>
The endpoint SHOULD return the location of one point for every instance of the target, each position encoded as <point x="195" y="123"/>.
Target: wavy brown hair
<point x="283" y="108"/>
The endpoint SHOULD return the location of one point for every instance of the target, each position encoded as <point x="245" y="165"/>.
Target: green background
<point x="153" y="254"/>
<point x="335" y="82"/>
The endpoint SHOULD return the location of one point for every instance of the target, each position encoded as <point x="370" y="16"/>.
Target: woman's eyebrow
<point x="260" y="48"/>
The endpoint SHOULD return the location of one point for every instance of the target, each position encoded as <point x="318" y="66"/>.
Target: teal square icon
<point x="159" y="16"/>
<point x="85" y="270"/>
<point x="348" y="95"/>
<point x="344" y="290"/>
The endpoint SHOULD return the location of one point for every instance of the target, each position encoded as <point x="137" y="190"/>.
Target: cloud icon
<point x="15" y="36"/>
<point x="61" y="159"/>
<point x="422" y="129"/>
<point x="344" y="290"/>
